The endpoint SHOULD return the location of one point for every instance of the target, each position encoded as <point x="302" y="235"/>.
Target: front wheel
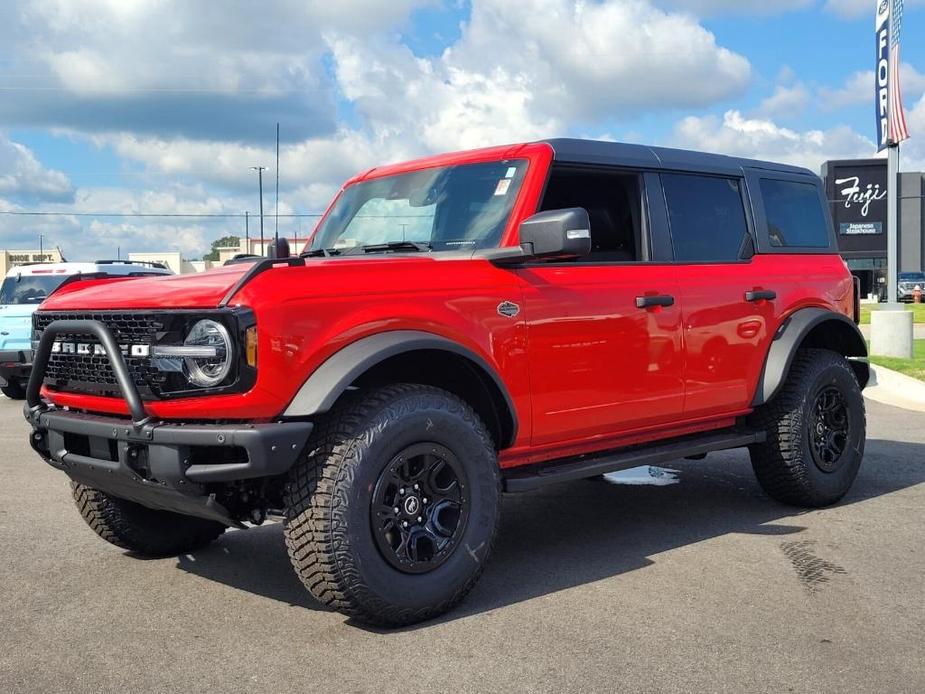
<point x="391" y="515"/>
<point x="816" y="431"/>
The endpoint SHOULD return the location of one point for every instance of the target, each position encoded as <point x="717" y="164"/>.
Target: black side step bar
<point x="568" y="469"/>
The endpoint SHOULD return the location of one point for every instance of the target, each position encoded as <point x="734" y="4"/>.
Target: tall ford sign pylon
<point x="891" y="330"/>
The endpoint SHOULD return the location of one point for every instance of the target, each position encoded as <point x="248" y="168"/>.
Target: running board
<point x="524" y="479"/>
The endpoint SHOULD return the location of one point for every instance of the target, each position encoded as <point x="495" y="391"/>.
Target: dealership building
<point x="857" y="190"/>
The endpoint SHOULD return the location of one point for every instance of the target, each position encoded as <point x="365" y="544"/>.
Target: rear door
<point x="601" y="365"/>
<point x="728" y="295"/>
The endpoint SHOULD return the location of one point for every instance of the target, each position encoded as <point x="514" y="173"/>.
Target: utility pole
<point x="41" y="247"/>
<point x="260" y="170"/>
<point x="247" y="232"/>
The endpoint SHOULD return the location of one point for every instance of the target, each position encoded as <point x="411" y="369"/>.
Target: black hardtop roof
<point x="623" y="154"/>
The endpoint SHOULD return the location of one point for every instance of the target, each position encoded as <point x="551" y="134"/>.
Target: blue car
<point x="23" y="290"/>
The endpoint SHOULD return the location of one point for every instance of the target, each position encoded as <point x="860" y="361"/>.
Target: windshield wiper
<point x="320" y="252"/>
<point x="393" y="246"/>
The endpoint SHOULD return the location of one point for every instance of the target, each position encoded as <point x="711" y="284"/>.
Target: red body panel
<point x="586" y="370"/>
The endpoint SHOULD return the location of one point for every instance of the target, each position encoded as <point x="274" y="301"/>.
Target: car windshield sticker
<point x="510" y="172"/>
<point x="503" y="186"/>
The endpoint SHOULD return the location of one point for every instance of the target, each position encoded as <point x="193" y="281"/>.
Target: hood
<point x="16" y="326"/>
<point x="196" y="290"/>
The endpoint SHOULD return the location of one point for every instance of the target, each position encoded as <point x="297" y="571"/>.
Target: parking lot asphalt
<point x="701" y="586"/>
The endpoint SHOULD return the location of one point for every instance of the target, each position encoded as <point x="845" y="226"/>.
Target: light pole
<point x="260" y="170"/>
<point x="247" y="231"/>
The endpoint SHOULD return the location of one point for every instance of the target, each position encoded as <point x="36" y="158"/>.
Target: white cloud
<point x="588" y="60"/>
<point x="199" y="70"/>
<point x="858" y="88"/>
<point x="786" y="101"/>
<point x="476" y="93"/>
<point x="713" y="7"/>
<point x="191" y="93"/>
<point x="761" y="138"/>
<point x="23" y="177"/>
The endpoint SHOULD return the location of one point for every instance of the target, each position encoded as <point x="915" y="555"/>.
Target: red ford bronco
<point x="460" y="326"/>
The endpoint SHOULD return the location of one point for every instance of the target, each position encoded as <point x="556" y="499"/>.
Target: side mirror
<point x="279" y="249"/>
<point x="557" y="234"/>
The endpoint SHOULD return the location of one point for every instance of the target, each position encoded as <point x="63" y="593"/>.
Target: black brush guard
<point x="157" y="464"/>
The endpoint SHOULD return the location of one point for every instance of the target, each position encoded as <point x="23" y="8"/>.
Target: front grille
<point x="92" y="373"/>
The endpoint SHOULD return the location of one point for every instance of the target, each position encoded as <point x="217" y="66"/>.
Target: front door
<point x="604" y="331"/>
<point x="599" y="365"/>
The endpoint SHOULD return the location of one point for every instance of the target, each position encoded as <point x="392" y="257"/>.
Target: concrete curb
<point x="893" y="388"/>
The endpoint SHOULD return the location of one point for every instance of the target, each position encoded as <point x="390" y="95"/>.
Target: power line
<point x="143" y="214"/>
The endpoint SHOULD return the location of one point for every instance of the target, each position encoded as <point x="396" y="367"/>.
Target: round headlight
<point x="213" y="367"/>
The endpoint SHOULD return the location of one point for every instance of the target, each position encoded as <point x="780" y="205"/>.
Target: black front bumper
<point x="172" y="467"/>
<point x="15" y="365"/>
<point x="166" y="465"/>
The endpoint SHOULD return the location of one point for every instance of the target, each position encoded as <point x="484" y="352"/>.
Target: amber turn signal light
<point x="250" y="344"/>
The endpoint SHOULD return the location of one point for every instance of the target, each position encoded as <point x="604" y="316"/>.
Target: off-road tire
<point x="142" y="530"/>
<point x="328" y="529"/>
<point x="14" y="390"/>
<point x="784" y="463"/>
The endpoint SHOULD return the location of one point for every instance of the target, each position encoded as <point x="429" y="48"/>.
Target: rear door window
<point x="706" y="217"/>
<point x="795" y="215"/>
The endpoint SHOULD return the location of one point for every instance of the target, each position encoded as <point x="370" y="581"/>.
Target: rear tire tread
<point x="780" y="463"/>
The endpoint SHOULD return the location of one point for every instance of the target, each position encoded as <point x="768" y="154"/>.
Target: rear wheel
<point x="394" y="510"/>
<point x="14" y="390"/>
<point x="816" y="431"/>
<point x="140" y="529"/>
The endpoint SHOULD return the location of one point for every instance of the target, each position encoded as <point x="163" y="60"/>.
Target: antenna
<point x="277" y="183"/>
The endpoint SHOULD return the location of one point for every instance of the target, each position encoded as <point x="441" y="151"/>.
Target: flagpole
<point x="892" y="225"/>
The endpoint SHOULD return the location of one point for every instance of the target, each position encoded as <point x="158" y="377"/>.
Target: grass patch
<point x="918" y="312"/>
<point x="914" y="367"/>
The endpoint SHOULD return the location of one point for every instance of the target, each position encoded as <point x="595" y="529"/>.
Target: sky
<point x="161" y="107"/>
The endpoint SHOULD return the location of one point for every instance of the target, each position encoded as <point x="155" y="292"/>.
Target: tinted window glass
<point x="795" y="215"/>
<point x="28" y="289"/>
<point x="612" y="201"/>
<point x="706" y="216"/>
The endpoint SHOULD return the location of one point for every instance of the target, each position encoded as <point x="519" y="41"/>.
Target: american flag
<point x="899" y="131"/>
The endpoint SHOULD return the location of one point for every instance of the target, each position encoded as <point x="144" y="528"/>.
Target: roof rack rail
<point x="150" y="263"/>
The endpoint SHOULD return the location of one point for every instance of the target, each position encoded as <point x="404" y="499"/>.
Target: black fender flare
<point x="845" y="337"/>
<point x="328" y="382"/>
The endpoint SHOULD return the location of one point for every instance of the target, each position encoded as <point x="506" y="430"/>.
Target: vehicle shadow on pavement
<point x="581" y="532"/>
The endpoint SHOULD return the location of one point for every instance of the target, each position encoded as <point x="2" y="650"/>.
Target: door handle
<point x="760" y="295"/>
<point x="652" y="300"/>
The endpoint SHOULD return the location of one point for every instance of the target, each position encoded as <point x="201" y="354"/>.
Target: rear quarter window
<point x="794" y="213"/>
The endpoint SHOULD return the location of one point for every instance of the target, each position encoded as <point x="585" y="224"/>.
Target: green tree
<point x="224" y="242"/>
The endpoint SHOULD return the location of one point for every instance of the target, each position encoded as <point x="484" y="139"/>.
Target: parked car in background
<point x="907" y="283"/>
<point x="24" y="288"/>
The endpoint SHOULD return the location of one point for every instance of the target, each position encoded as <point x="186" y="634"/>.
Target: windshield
<point x="28" y="289"/>
<point x="462" y="207"/>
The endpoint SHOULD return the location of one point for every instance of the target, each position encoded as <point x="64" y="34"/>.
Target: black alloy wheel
<point x="829" y="428"/>
<point x="419" y="507"/>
